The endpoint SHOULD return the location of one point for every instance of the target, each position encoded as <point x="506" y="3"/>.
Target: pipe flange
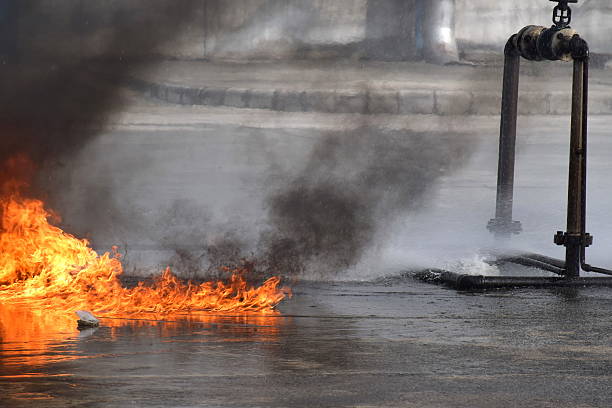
<point x="566" y="239"/>
<point x="527" y="42"/>
<point x="555" y="44"/>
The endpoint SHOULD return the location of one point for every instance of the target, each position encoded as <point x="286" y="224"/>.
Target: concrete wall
<point x="391" y="30"/>
<point x="383" y="29"/>
<point x="282" y="28"/>
<point x="225" y="29"/>
<point x="239" y="29"/>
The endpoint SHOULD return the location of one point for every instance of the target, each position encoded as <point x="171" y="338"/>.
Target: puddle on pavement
<point x="31" y="339"/>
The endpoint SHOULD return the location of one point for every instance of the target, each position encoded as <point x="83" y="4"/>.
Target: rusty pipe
<point x="503" y="225"/>
<point x="575" y="217"/>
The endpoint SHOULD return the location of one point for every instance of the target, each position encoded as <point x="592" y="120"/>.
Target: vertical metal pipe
<point x="573" y="238"/>
<point x="507" y="141"/>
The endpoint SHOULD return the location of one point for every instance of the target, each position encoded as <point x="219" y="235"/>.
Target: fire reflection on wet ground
<point x="36" y="338"/>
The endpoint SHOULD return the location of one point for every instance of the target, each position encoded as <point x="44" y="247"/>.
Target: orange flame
<point x="47" y="268"/>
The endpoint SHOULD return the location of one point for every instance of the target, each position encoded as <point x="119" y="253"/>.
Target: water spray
<point x="537" y="43"/>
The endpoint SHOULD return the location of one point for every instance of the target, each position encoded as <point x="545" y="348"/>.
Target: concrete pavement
<point x="394" y="342"/>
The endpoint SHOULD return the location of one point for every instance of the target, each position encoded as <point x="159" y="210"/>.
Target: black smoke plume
<point x="354" y="184"/>
<point x="55" y="97"/>
<point x="61" y="69"/>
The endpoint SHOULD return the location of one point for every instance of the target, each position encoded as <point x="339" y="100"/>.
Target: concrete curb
<point x="412" y="101"/>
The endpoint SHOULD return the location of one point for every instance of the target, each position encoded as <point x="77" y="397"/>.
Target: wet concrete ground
<point x="396" y="342"/>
